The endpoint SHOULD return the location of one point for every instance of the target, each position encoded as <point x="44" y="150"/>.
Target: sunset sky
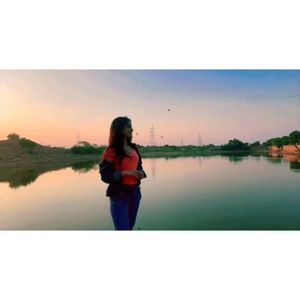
<point x="51" y="107"/>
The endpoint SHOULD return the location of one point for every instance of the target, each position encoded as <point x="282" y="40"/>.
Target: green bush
<point x="86" y="148"/>
<point x="13" y="137"/>
<point x="294" y="137"/>
<point x="235" y="144"/>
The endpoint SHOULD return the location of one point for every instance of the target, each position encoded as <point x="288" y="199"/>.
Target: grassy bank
<point x="26" y="153"/>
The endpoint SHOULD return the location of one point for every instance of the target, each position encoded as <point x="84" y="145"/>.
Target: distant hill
<point x="26" y="152"/>
<point x="22" y="161"/>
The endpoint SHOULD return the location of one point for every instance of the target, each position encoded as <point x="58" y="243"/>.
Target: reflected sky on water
<point x="216" y="192"/>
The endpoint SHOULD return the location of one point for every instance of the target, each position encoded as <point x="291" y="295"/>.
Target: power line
<point x="199" y="140"/>
<point x="152" y="141"/>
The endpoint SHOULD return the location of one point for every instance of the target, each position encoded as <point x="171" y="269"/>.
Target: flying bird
<point x="169" y="109"/>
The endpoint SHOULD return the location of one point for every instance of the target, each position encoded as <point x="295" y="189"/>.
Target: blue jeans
<point x="124" y="210"/>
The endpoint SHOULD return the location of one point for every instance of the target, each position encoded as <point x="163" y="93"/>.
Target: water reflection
<point x="274" y="159"/>
<point x="200" y="160"/>
<point x="236" y="159"/>
<point x="294" y="161"/>
<point x="24" y="176"/>
<point x="207" y="192"/>
<point x="295" y="166"/>
<point x="19" y="177"/>
<point x="153" y="167"/>
<point x="83" y="166"/>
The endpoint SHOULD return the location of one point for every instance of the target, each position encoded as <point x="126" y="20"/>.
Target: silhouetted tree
<point x="235" y="144"/>
<point x="274" y="142"/>
<point x="13" y="137"/>
<point x="255" y="144"/>
<point x="294" y="137"/>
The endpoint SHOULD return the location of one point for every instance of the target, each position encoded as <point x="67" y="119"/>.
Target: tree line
<point x="84" y="147"/>
<point x="292" y="139"/>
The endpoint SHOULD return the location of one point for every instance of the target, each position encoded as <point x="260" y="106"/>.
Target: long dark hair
<point x="116" y="138"/>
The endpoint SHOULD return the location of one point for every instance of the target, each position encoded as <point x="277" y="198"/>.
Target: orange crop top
<point x="129" y="162"/>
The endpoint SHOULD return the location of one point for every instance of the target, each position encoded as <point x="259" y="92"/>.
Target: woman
<point x="121" y="167"/>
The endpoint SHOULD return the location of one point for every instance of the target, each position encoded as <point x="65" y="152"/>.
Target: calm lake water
<point x="180" y="193"/>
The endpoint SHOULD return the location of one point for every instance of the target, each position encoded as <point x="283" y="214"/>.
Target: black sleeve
<point x="140" y="167"/>
<point x="108" y="173"/>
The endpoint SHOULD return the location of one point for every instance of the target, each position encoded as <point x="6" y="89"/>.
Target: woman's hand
<point x="142" y="174"/>
<point x="135" y="173"/>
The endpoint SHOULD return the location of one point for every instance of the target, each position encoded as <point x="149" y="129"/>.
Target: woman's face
<point x="128" y="130"/>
